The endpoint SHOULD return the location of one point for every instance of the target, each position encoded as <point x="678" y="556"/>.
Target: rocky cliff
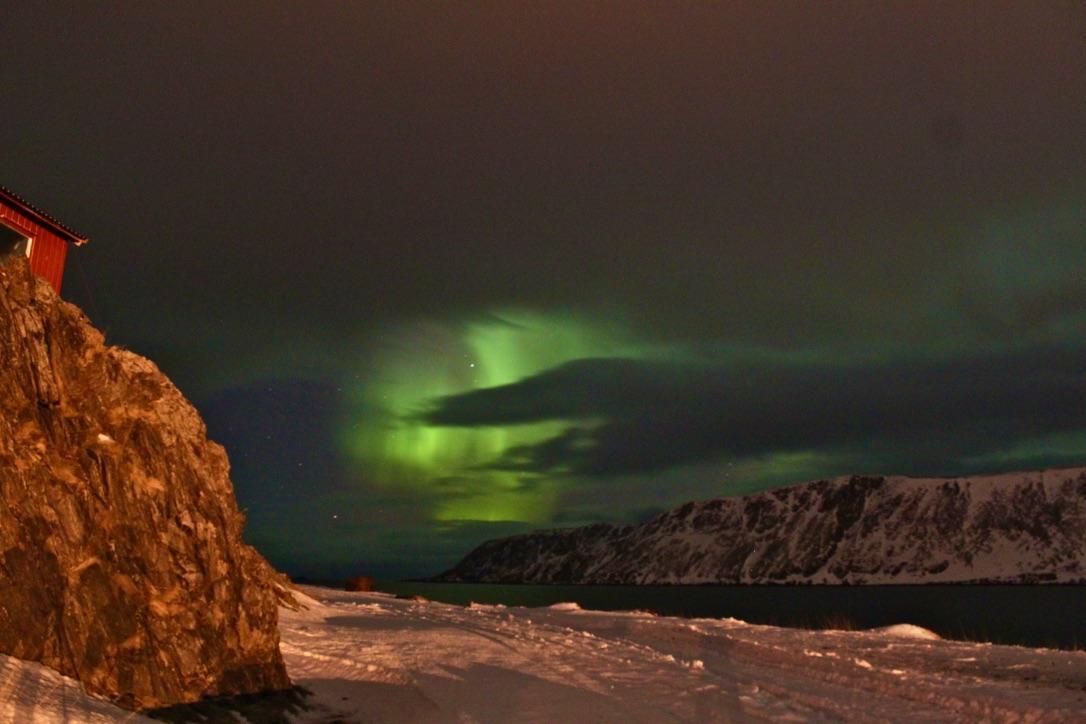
<point x="121" y="554"/>
<point x="1018" y="527"/>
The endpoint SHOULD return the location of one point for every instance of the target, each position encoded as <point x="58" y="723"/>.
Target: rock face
<point x="121" y="557"/>
<point x="1018" y="527"/>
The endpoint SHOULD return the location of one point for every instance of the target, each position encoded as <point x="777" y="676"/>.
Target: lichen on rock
<point x="122" y="562"/>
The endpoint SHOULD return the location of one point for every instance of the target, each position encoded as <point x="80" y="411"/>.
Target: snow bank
<point x="907" y="631"/>
<point x="30" y="692"/>
<point x="565" y="606"/>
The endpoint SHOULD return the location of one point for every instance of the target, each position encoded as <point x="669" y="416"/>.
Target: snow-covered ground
<point x="369" y="657"/>
<point x="31" y="693"/>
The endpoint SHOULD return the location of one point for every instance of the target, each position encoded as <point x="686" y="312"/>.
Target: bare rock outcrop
<point x="121" y="555"/>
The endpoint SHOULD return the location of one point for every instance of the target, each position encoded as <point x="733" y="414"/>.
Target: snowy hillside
<point x="1016" y="527"/>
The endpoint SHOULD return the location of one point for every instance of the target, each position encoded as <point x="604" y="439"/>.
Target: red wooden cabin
<point x="30" y="231"/>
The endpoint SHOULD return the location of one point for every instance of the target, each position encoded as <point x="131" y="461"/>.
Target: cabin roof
<point x="11" y="199"/>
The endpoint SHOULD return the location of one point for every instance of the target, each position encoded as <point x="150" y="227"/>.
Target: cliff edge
<point x="121" y="555"/>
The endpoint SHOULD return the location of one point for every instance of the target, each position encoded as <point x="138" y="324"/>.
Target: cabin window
<point x="13" y="243"/>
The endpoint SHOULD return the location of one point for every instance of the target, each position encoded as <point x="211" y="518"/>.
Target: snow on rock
<point x="367" y="658"/>
<point x="1019" y="527"/>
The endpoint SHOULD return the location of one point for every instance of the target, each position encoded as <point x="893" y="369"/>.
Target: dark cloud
<point x="654" y="416"/>
<point x="577" y="389"/>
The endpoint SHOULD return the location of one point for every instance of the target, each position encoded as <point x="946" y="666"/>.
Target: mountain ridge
<point x="1019" y="527"/>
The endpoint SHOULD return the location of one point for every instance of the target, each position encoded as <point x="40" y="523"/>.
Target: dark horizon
<point x="436" y="275"/>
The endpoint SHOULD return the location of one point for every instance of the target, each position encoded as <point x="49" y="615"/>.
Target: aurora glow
<point x="418" y="364"/>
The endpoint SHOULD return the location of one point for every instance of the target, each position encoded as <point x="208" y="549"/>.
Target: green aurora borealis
<point x="388" y="439"/>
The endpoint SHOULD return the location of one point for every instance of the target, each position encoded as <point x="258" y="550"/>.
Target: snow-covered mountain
<point x="1015" y="527"/>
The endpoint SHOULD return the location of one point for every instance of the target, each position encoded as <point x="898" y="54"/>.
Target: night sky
<point x="440" y="272"/>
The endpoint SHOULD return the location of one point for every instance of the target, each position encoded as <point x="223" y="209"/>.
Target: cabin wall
<point x="47" y="250"/>
<point x="47" y="255"/>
